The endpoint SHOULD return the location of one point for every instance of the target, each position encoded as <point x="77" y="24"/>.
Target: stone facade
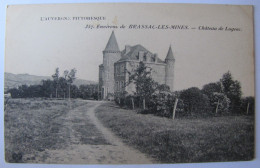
<point x="113" y="72"/>
<point x="111" y="54"/>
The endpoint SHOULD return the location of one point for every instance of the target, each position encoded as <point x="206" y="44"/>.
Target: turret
<point x="112" y="45"/>
<point x="111" y="54"/>
<point x="169" y="69"/>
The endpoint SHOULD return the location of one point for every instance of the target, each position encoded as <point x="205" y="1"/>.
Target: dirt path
<point x="82" y="146"/>
<point x="106" y="132"/>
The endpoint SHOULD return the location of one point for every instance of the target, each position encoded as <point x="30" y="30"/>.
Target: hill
<point x="15" y="80"/>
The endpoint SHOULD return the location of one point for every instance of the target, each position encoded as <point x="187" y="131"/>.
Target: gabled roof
<point x="112" y="43"/>
<point x="133" y="52"/>
<point x="131" y="55"/>
<point x="170" y="54"/>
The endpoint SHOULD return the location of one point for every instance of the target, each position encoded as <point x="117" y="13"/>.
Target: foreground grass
<point x="33" y="125"/>
<point x="229" y="138"/>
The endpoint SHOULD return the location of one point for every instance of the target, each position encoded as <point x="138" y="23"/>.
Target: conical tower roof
<point x="170" y="54"/>
<point x="112" y="43"/>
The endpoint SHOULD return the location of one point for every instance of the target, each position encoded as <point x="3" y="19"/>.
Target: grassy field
<point x="34" y="125"/>
<point x="229" y="138"/>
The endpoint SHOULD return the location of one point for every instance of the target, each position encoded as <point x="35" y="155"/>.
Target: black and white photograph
<point x="128" y="83"/>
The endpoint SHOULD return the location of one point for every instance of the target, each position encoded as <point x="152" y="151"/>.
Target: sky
<point x="37" y="46"/>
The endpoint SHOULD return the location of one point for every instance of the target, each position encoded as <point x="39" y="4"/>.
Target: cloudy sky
<point x="36" y="46"/>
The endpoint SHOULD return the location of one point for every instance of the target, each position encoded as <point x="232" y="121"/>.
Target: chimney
<point x="127" y="48"/>
<point x="155" y="57"/>
<point x="141" y="55"/>
<point x="148" y="57"/>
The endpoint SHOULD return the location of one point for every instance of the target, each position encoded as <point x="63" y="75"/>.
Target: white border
<point x="250" y="164"/>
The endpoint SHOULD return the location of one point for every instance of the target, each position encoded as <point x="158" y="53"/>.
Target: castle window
<point x="137" y="57"/>
<point x="117" y="86"/>
<point x="117" y="70"/>
<point x="107" y="62"/>
<point x="122" y="85"/>
<point x="152" y="59"/>
<point x="122" y="70"/>
<point x="144" y="57"/>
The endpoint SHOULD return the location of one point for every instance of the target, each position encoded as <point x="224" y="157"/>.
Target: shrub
<point x="162" y="103"/>
<point x="195" y="103"/>
<point x="220" y="102"/>
<point x="248" y="102"/>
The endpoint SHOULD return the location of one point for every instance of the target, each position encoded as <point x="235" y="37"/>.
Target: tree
<point x="194" y="101"/>
<point x="88" y="91"/>
<point x="15" y="93"/>
<point x="162" y="100"/>
<point x="74" y="91"/>
<point x="66" y="81"/>
<point x="35" y="91"/>
<point x="70" y="77"/>
<point x="23" y="91"/>
<point x="232" y="89"/>
<point x="47" y="88"/>
<point x="65" y="74"/>
<point x="211" y="88"/>
<point x="84" y="91"/>
<point x="220" y="102"/>
<point x="63" y="86"/>
<point x="144" y="84"/>
<point x="248" y="105"/>
<point x="56" y="81"/>
<point x="121" y="98"/>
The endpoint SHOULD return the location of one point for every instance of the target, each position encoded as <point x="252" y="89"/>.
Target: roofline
<point x="110" y="51"/>
<point x="157" y="63"/>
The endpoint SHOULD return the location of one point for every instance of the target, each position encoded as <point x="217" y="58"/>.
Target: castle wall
<point x="158" y="74"/>
<point x="109" y="58"/>
<point x="169" y="72"/>
<point x="130" y="66"/>
<point x="100" y="82"/>
<point x="120" y="77"/>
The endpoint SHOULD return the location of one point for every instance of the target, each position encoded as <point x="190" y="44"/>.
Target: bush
<point x="195" y="103"/>
<point x="248" y="102"/>
<point x="161" y="104"/>
<point x="220" y="103"/>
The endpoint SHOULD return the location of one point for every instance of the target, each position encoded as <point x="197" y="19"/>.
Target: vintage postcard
<point x="129" y="83"/>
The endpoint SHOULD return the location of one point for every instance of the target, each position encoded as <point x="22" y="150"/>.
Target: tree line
<point x="59" y="87"/>
<point x="223" y="97"/>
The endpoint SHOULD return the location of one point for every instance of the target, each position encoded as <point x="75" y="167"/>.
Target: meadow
<point x="225" y="138"/>
<point x="34" y="125"/>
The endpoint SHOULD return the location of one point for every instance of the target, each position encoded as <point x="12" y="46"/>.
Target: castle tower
<point x="111" y="54"/>
<point x="169" y="69"/>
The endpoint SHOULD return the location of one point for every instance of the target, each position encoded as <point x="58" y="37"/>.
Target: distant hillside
<point x="15" y="80"/>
